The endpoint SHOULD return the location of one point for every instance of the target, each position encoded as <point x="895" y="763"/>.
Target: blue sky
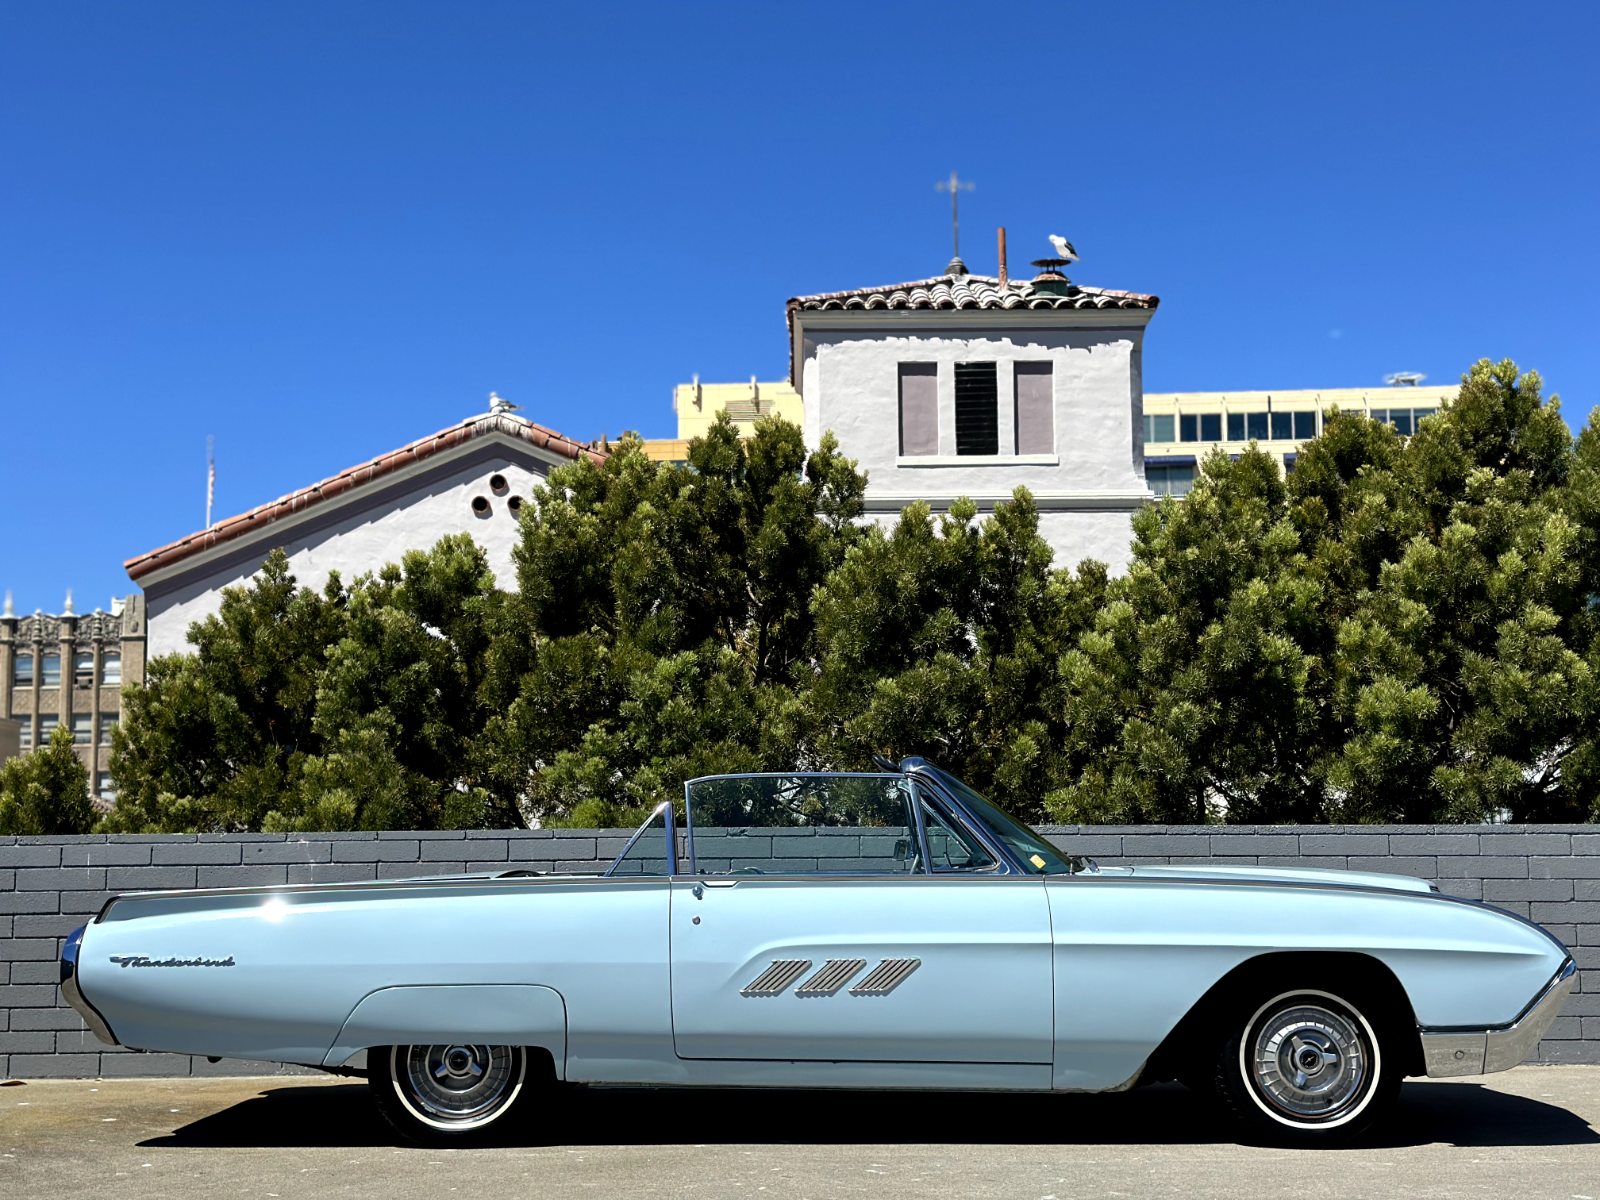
<point x="320" y="231"/>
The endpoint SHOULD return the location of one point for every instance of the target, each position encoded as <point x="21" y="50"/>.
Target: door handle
<point x="720" y="883"/>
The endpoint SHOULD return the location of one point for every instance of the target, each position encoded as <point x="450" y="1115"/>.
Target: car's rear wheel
<point x="1309" y="1067"/>
<point x="447" y="1094"/>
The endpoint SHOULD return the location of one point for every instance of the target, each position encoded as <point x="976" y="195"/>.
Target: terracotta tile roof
<point x="357" y="477"/>
<point x="966" y="291"/>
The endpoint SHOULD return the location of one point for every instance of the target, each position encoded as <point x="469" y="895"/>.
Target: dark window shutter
<point x="1036" y="426"/>
<point x="977" y="409"/>
<point x="919" y="408"/>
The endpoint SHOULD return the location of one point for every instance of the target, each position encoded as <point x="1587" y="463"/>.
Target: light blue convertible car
<point x="886" y="930"/>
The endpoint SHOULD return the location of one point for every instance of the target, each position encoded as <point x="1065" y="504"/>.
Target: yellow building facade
<point x="697" y="405"/>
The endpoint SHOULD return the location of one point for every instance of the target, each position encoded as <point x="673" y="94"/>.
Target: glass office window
<point x="1305" y="426"/>
<point x="47" y="726"/>
<point x="1188" y="428"/>
<point x="1400" y="418"/>
<point x="1282" y="427"/>
<point x="1418" y="413"/>
<point x="22" y="670"/>
<point x="107" y="726"/>
<point x="82" y="729"/>
<point x="104" y="786"/>
<point x="1255" y="426"/>
<point x="1158" y="428"/>
<point x="26" y="739"/>
<point x="111" y="669"/>
<point x="1236" y="427"/>
<point x="51" y="672"/>
<point x="83" y="668"/>
<point x="1170" y="481"/>
<point x="1210" y="427"/>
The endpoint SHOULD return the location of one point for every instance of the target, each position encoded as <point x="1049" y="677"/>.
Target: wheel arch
<point x="1252" y="979"/>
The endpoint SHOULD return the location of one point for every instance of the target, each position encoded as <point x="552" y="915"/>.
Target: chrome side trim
<point x="835" y="973"/>
<point x="1482" y="1052"/>
<point x="886" y="976"/>
<point x="775" y="980"/>
<point x="73" y="994"/>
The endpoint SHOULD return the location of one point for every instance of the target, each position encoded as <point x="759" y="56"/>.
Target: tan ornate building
<point x="68" y="670"/>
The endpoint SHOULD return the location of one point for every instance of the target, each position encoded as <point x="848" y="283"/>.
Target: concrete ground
<point x="1527" y="1133"/>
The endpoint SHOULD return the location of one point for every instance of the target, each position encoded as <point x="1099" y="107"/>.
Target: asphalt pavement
<point x="1526" y="1133"/>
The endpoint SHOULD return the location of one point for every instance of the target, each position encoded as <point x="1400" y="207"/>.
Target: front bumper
<point x="1447" y="1052"/>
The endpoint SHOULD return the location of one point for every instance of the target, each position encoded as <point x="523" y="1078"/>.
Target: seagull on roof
<point x="1063" y="248"/>
<point x="499" y="404"/>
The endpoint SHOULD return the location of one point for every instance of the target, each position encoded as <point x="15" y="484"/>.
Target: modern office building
<point x="1181" y="428"/>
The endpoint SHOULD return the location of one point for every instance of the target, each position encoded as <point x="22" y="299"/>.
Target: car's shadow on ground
<point x="1457" y="1114"/>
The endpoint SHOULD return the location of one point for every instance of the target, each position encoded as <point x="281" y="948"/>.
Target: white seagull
<point x="1063" y="248"/>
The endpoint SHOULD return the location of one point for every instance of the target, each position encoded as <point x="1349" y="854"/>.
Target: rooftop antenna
<point x="955" y="186"/>
<point x="1404" y="378"/>
<point x="211" y="476"/>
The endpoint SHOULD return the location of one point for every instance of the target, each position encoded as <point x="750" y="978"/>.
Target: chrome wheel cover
<point x="1309" y="1059"/>
<point x="457" y="1087"/>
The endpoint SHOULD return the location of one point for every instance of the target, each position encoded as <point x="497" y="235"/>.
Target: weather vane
<point x="955" y="186"/>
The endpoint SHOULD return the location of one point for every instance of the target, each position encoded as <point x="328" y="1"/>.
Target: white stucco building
<point x="965" y="385"/>
<point x="471" y="477"/>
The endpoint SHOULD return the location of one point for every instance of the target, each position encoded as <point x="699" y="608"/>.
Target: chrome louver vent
<point x="775" y="980"/>
<point x="835" y="973"/>
<point x="886" y="976"/>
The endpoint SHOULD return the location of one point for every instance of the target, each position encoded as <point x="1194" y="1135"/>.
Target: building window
<point x="1255" y="426"/>
<point x="919" y="409"/>
<point x="83" y="668"/>
<point x="51" y="674"/>
<point x="82" y="729"/>
<point x="47" y="726"/>
<point x="108" y="726"/>
<point x="1288" y="463"/>
<point x="1210" y="427"/>
<point x="25" y="740"/>
<point x="977" y="409"/>
<point x="111" y="669"/>
<point x="1169" y="481"/>
<point x="1305" y="426"/>
<point x="1158" y="429"/>
<point x="1036" y="423"/>
<point x="1282" y="427"/>
<point x="22" y="670"/>
<point x="1236" y="427"/>
<point x="1189" y="428"/>
<point x="104" y="787"/>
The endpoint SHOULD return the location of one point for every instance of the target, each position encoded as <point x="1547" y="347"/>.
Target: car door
<point x="820" y="940"/>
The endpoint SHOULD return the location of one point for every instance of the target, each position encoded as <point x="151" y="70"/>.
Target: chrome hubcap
<point x="1310" y="1062"/>
<point x="458" y="1086"/>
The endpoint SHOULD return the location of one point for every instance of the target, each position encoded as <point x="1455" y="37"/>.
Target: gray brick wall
<point x="48" y="886"/>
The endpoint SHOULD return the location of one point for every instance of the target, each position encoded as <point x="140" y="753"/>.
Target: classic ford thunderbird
<point x="886" y="930"/>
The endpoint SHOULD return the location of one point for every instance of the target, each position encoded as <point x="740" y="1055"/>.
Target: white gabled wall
<point x="408" y="519"/>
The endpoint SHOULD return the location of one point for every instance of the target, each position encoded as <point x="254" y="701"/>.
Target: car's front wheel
<point x="1309" y="1067"/>
<point x="441" y="1095"/>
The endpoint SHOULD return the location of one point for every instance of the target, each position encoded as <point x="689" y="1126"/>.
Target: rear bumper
<point x="73" y="994"/>
<point x="1447" y="1052"/>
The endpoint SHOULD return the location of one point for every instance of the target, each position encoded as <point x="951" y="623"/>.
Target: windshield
<point x="1031" y="850"/>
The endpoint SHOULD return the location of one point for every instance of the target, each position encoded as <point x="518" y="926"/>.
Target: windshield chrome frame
<point x="1003" y="853"/>
<point x="903" y="776"/>
<point x="672" y="840"/>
